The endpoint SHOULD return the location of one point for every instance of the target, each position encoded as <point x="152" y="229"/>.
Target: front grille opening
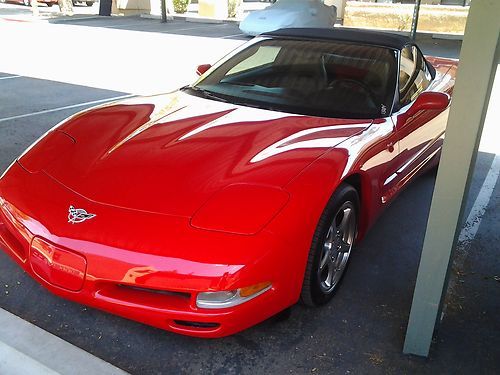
<point x="12" y="242"/>
<point x="186" y="323"/>
<point x="149" y="298"/>
<point x="155" y="291"/>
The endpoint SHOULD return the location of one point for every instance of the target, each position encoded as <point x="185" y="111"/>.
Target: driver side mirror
<point x="202" y="68"/>
<point x="429" y="100"/>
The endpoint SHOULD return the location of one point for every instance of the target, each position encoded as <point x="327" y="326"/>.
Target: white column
<point x="478" y="62"/>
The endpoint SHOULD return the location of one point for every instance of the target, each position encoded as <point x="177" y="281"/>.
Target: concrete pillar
<point x="478" y="62"/>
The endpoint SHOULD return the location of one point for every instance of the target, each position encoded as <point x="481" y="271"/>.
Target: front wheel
<point x="89" y="3"/>
<point x="27" y="2"/>
<point x="331" y="246"/>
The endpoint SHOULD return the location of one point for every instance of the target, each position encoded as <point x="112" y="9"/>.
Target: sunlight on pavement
<point x="491" y="131"/>
<point x="121" y="60"/>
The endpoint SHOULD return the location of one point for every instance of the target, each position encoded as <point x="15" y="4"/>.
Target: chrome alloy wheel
<point x="337" y="247"/>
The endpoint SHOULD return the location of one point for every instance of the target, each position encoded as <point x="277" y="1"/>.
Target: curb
<point x="433" y="35"/>
<point x="64" y="19"/>
<point x="190" y="18"/>
<point x="28" y="349"/>
<point x="55" y="20"/>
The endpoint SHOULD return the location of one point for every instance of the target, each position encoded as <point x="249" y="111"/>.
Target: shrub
<point x="181" y="6"/>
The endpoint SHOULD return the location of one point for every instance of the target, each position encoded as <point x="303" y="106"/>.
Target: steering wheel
<point x="349" y="82"/>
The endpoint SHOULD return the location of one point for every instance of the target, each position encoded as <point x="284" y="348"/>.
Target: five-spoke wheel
<point x="331" y="246"/>
<point x="337" y="247"/>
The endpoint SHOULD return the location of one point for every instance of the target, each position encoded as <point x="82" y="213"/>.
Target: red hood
<point x="169" y="153"/>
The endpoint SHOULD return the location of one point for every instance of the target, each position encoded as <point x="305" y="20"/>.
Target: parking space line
<point x="477" y="211"/>
<point x="231" y="36"/>
<point x="65" y="107"/>
<point x="473" y="222"/>
<point x="205" y="26"/>
<point x="10" y="77"/>
<point x="152" y="25"/>
<point x="125" y="25"/>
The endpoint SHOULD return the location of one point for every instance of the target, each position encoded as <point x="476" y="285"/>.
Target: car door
<point x="420" y="136"/>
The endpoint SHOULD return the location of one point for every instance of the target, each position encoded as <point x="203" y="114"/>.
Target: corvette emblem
<point x="78" y="215"/>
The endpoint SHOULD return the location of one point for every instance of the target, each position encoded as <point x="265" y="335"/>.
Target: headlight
<point x="240" y="209"/>
<point x="224" y="299"/>
<point x="45" y="150"/>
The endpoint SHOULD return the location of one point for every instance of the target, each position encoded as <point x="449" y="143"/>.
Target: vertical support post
<point x="163" y="11"/>
<point x="414" y="22"/>
<point x="105" y="7"/>
<point x="478" y="63"/>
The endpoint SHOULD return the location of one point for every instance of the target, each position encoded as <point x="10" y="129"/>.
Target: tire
<point x="89" y="3"/>
<point x="49" y="4"/>
<point x="331" y="247"/>
<point x="27" y="2"/>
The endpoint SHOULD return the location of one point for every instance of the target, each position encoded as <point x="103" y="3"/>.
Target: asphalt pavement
<point x="361" y="331"/>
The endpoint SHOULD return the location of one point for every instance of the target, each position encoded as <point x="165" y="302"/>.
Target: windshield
<point x="319" y="78"/>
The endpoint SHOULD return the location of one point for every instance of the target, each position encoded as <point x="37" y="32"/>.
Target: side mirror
<point x="429" y="100"/>
<point x="202" y="68"/>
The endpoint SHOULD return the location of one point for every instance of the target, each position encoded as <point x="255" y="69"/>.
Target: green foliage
<point x="232" y="7"/>
<point x="181" y="6"/>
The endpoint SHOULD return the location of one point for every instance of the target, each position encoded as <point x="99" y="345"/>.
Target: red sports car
<point x="209" y="209"/>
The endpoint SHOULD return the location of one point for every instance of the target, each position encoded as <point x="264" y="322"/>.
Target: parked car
<point x="206" y="210"/>
<point x="287" y="14"/>
<point x="89" y="3"/>
<point x="28" y="2"/>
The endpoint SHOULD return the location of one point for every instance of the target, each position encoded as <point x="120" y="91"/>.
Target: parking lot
<point x="360" y="331"/>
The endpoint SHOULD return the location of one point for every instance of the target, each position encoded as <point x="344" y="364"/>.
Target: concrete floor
<point x="361" y="331"/>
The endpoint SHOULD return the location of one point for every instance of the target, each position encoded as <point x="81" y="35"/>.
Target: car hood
<point x="169" y="153"/>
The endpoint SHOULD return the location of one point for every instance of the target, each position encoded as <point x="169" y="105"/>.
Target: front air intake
<point x="202" y="325"/>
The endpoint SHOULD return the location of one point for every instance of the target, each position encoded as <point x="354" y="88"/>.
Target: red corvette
<point x="207" y="210"/>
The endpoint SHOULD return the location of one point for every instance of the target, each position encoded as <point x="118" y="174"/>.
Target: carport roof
<point x="377" y="38"/>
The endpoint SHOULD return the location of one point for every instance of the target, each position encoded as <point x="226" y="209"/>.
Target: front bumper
<point x="118" y="261"/>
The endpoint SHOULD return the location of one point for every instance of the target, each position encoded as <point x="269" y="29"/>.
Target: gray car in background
<point x="289" y="13"/>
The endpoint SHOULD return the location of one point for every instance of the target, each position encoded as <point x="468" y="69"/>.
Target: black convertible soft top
<point x="376" y="38"/>
<point x="361" y="36"/>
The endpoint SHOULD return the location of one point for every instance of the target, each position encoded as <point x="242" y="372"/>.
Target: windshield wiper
<point x="238" y="83"/>
<point x="205" y="93"/>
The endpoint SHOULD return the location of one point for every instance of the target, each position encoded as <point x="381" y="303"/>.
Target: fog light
<point x="224" y="299"/>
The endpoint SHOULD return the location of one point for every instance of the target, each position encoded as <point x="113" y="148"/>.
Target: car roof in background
<point x="376" y="38"/>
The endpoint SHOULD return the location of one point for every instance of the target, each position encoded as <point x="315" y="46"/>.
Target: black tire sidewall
<point x="311" y="291"/>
